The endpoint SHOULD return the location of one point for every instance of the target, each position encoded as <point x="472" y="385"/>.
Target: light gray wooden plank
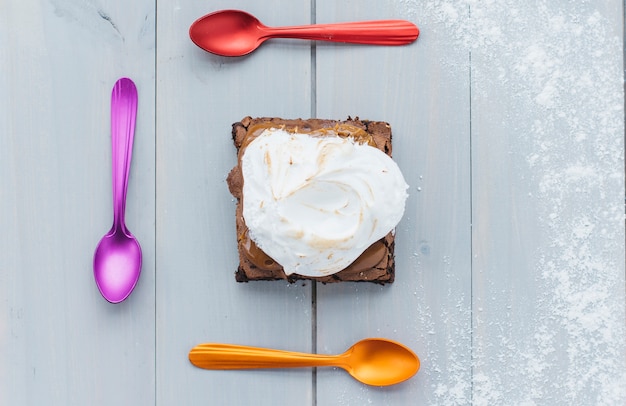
<point x="198" y="300"/>
<point x="61" y="343"/>
<point x="548" y="203"/>
<point x="422" y="90"/>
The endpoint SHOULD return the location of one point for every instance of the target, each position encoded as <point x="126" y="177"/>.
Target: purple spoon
<point x="117" y="260"/>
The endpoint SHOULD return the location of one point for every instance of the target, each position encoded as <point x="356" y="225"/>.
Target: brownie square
<point x="376" y="264"/>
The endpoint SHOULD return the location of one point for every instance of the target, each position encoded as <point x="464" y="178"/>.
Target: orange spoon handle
<point x="228" y="356"/>
<point x="378" y="32"/>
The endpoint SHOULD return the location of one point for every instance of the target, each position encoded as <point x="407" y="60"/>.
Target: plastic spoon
<point x="373" y="361"/>
<point x="117" y="260"/>
<point x="237" y="33"/>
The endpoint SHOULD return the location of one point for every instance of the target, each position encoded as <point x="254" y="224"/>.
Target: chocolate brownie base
<point x="375" y="265"/>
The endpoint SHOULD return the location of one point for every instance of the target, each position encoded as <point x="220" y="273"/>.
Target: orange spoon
<point x="373" y="361"/>
<point x="237" y="33"/>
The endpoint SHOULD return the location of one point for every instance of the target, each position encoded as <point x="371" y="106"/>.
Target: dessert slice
<point x="316" y="199"/>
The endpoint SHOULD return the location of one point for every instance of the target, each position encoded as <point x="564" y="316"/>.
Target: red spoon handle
<point x="379" y="32"/>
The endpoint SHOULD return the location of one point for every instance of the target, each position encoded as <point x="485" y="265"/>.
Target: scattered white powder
<point x="557" y="68"/>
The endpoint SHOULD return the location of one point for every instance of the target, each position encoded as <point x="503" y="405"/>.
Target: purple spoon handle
<point x="123" y="117"/>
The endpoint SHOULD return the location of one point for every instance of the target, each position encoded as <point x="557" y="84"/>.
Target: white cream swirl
<point x="315" y="203"/>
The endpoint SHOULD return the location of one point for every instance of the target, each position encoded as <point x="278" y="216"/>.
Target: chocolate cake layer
<point x="376" y="264"/>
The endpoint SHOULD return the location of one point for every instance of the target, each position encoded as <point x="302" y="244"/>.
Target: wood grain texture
<point x="61" y="343"/>
<point x="548" y="188"/>
<point x="508" y="123"/>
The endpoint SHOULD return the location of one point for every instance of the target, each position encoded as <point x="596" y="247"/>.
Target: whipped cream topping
<point x="315" y="203"/>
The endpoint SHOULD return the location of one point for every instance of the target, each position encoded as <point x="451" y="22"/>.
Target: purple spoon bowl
<point x="117" y="260"/>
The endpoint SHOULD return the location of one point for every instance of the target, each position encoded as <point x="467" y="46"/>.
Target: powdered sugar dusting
<point x="552" y="71"/>
<point x="447" y="374"/>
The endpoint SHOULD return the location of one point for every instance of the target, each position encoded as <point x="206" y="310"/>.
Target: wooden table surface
<point x="508" y="124"/>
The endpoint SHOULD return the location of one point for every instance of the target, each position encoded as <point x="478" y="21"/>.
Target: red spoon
<point x="237" y="33"/>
